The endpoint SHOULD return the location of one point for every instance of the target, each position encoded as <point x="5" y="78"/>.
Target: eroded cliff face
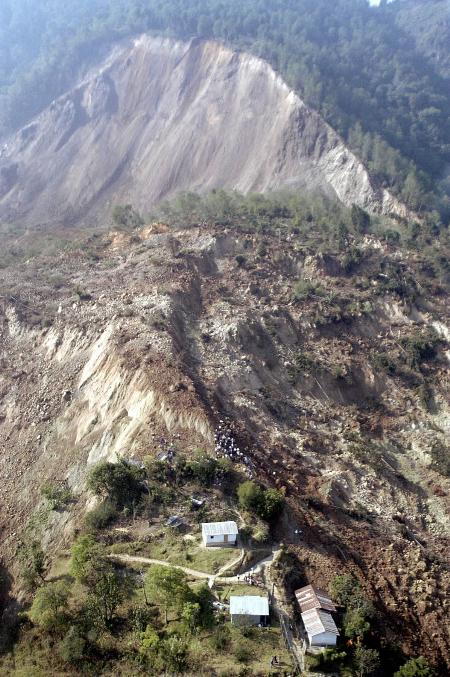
<point x="160" y="116"/>
<point x="133" y="338"/>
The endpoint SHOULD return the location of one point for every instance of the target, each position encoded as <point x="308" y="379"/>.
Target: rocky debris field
<point x="334" y="382"/>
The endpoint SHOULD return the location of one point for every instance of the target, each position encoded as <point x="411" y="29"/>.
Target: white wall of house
<point x="322" y="639"/>
<point x="219" y="539"/>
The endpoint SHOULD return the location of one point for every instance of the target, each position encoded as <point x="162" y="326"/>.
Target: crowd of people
<point x="225" y="446"/>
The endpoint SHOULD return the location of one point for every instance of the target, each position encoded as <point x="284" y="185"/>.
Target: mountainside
<point x="329" y="361"/>
<point x="429" y="25"/>
<point x="160" y="116"/>
<point x="377" y="75"/>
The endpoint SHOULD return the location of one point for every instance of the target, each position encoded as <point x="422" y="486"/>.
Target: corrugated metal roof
<point x="249" y="605"/>
<point x="311" y="597"/>
<point x="317" y="621"/>
<point x="219" y="528"/>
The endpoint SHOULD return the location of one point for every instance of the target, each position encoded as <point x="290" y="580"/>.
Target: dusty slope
<point x="178" y="334"/>
<point x="160" y="116"/>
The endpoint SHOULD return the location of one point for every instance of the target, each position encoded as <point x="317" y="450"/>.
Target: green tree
<point x="344" y="587"/>
<point x="266" y="503"/>
<point x="120" y="482"/>
<point x="204" y="598"/>
<point x="106" y="595"/>
<point x="355" y="623"/>
<point x="32" y="564"/>
<point x="87" y="558"/>
<point x="167" y="587"/>
<point x="366" y="661"/>
<point x="49" y="608"/>
<point x="191" y="615"/>
<point x="150" y="645"/>
<point x="415" y="667"/>
<point x="250" y="496"/>
<point x="271" y="504"/>
<point x="360" y="219"/>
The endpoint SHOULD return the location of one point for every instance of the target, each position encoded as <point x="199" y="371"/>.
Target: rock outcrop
<point x="160" y="116"/>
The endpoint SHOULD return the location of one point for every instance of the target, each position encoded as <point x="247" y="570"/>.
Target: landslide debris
<point x="329" y="357"/>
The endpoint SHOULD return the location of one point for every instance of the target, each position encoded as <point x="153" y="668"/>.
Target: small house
<point x="320" y="627"/>
<point x="219" y="533"/>
<point x="311" y="597"/>
<point x="249" y="610"/>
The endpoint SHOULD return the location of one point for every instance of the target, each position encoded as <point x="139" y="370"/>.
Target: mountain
<point x="263" y="335"/>
<point x="327" y="357"/>
<point x="159" y="116"/>
<point x="375" y="74"/>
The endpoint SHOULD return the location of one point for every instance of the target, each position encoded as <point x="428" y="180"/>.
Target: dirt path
<point x="148" y="560"/>
<point x="212" y="578"/>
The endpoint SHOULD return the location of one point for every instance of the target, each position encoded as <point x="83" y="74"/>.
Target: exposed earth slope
<point x="159" y="116"/>
<point x="336" y="389"/>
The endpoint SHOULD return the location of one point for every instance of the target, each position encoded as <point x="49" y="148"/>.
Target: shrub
<point x="32" y="564"/>
<point x="415" y="667"/>
<point x="221" y="638"/>
<point x="391" y="236"/>
<point x="440" y="454"/>
<point x="305" y="289"/>
<point x="242" y="651"/>
<point x="351" y="259"/>
<point x="58" y="495"/>
<point x="48" y="610"/>
<point x="419" y="348"/>
<point x="203" y="469"/>
<point x="102" y="515"/>
<point x="175" y="653"/>
<point x="71" y="648"/>
<point x="126" y="217"/>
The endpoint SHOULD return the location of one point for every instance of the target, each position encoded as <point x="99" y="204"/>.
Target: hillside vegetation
<point x="356" y="64"/>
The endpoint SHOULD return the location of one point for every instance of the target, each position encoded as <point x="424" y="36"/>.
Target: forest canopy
<point x="372" y="78"/>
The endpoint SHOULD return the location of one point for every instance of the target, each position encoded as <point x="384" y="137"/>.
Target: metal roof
<point x="249" y="605"/>
<point x="317" y="621"/>
<point x="219" y="528"/>
<point x="311" y="597"/>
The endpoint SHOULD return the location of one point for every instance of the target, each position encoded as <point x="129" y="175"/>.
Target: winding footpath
<point x="193" y="573"/>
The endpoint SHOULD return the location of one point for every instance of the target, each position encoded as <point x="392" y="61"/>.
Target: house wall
<point x="219" y="540"/>
<point x="323" y="639"/>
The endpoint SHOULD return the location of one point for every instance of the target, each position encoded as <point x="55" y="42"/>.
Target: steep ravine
<point x="159" y="116"/>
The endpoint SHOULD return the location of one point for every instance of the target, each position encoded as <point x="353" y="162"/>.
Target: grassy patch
<point x="174" y="549"/>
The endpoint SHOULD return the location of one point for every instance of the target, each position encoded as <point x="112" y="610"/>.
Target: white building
<point x="320" y="627"/>
<point x="249" y="610"/>
<point x="219" y="533"/>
